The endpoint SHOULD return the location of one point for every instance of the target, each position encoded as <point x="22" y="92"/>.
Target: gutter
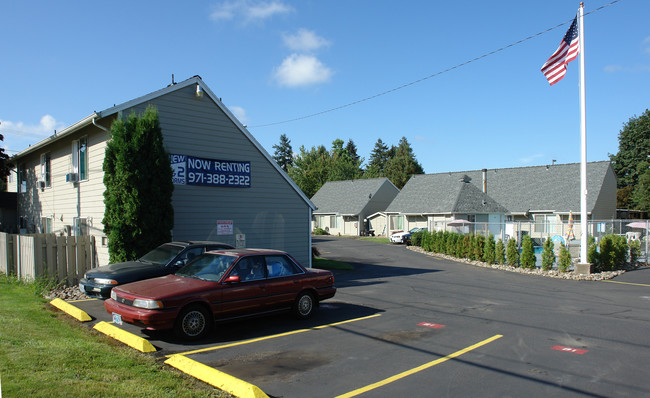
<point x="100" y="126"/>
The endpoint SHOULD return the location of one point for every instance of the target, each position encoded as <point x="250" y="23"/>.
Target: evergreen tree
<point x="527" y="253"/>
<point x="512" y="253"/>
<point x="344" y="166"/>
<point x="548" y="255"/>
<point x="633" y="149"/>
<point x="138" y="177"/>
<point x="564" y="261"/>
<point x="641" y="193"/>
<point x="401" y="167"/>
<point x="489" y="254"/>
<point x="283" y="154"/>
<point x="378" y="158"/>
<point x="500" y="252"/>
<point x="310" y="169"/>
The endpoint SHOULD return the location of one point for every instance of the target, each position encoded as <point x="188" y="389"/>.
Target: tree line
<point x="632" y="164"/>
<point x="311" y="169"/>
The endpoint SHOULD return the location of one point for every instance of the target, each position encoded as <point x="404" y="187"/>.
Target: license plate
<point x="82" y="288"/>
<point x="117" y="319"/>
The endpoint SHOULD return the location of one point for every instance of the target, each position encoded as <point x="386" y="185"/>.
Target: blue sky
<point x="274" y="60"/>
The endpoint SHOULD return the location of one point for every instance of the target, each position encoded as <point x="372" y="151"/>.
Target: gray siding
<point x="271" y="213"/>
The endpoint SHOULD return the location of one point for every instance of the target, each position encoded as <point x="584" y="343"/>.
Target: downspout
<point x="100" y="126"/>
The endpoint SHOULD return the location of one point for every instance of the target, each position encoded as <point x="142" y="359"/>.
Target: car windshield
<point x="162" y="254"/>
<point x="209" y="267"/>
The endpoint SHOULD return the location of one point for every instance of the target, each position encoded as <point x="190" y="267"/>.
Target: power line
<point x="432" y="75"/>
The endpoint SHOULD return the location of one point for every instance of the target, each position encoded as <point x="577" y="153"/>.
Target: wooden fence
<point x="64" y="258"/>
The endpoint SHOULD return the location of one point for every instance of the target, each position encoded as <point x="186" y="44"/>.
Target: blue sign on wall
<point x="190" y="170"/>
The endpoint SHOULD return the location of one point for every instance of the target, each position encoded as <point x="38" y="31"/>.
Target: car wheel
<point x="193" y="323"/>
<point x="304" y="305"/>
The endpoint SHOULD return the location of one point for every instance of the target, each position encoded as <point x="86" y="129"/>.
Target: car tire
<point x="304" y="305"/>
<point x="193" y="322"/>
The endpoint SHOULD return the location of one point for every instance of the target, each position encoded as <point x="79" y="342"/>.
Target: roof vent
<point x="465" y="178"/>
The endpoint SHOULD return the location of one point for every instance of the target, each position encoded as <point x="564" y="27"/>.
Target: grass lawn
<point x="376" y="239"/>
<point x="45" y="353"/>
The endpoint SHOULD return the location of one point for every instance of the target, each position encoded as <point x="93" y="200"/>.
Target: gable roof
<point x="441" y="194"/>
<point x="196" y="80"/>
<point x="554" y="188"/>
<point x="347" y="197"/>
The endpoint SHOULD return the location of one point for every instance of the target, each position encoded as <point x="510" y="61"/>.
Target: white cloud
<point x="304" y="40"/>
<point x="302" y="70"/>
<point x="627" y="69"/>
<point x="240" y="113"/>
<point x="19" y="136"/>
<point x="249" y="10"/>
<point x="530" y="159"/>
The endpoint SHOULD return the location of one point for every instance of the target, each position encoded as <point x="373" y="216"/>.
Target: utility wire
<point x="433" y="75"/>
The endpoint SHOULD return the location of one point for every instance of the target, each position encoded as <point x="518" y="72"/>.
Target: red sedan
<point x="220" y="285"/>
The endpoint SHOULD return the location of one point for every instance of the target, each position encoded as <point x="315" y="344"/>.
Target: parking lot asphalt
<point x="406" y="324"/>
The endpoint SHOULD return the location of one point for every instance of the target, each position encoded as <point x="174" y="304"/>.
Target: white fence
<point x="64" y="258"/>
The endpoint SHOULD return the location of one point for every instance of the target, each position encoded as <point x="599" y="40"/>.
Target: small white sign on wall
<point x="240" y="241"/>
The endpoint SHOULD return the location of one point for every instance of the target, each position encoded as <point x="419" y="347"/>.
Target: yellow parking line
<point x="224" y="381"/>
<point x="628" y="283"/>
<point x="273" y="336"/>
<point x="381" y="383"/>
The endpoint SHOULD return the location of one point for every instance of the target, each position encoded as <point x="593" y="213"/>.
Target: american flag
<point x="555" y="68"/>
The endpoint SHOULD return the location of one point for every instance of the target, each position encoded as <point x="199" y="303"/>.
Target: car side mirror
<point x="180" y="263"/>
<point x="233" y="279"/>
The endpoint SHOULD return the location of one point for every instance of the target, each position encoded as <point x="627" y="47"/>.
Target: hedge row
<point x="478" y="247"/>
<point x="611" y="253"/>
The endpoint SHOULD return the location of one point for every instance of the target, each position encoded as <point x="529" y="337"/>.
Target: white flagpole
<point x="583" y="143"/>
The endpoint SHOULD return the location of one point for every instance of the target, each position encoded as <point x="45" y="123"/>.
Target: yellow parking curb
<point x="223" y="381"/>
<point x="125" y="337"/>
<point x="71" y="310"/>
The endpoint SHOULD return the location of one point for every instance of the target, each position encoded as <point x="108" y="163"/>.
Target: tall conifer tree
<point x="138" y="178"/>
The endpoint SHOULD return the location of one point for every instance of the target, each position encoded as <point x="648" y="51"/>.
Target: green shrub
<point x="512" y="253"/>
<point x="500" y="252"/>
<point x="449" y="245"/>
<point x="479" y="247"/>
<point x="471" y="247"/>
<point x="416" y="238"/>
<point x="489" y="254"/>
<point x="564" y="262"/>
<point x="320" y="231"/>
<point x="527" y="253"/>
<point x="459" y="247"/>
<point x="592" y="253"/>
<point x="548" y="256"/>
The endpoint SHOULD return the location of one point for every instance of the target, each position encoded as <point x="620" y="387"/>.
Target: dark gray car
<point x="163" y="260"/>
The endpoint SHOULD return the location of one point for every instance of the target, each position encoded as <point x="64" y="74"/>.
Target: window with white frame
<point x="396" y="222"/>
<point x="545" y="223"/>
<point x="80" y="158"/>
<point x="46" y="225"/>
<point x="46" y="170"/>
<point x="22" y="180"/>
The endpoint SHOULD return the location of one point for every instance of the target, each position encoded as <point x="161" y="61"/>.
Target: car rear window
<point x="162" y="254"/>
